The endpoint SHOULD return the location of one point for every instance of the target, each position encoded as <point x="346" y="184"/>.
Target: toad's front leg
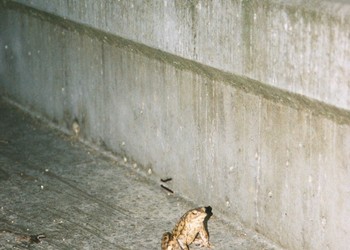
<point x="204" y="238"/>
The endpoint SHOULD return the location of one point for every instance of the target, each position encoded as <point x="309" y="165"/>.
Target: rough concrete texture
<point x="276" y="161"/>
<point x="78" y="198"/>
<point x="299" y="46"/>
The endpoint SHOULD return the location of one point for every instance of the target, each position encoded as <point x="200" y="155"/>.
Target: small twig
<point x="166" y="180"/>
<point x="167" y="189"/>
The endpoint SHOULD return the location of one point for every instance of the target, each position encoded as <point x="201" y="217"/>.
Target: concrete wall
<point x="244" y="103"/>
<point x="299" y="46"/>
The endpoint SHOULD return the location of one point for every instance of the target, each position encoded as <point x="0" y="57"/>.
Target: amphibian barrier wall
<point x="245" y="104"/>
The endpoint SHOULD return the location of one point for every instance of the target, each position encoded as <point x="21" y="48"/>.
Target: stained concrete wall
<point x="300" y="46"/>
<point x="275" y="160"/>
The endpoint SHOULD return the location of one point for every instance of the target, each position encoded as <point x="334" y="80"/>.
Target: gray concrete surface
<point x="275" y="160"/>
<point x="78" y="198"/>
<point x="299" y="46"/>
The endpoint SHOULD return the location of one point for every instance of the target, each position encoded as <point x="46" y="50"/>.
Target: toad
<point x="191" y="228"/>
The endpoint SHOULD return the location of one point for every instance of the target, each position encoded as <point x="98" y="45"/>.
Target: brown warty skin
<point x="189" y="229"/>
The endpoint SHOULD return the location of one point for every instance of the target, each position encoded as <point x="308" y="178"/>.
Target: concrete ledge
<point x="248" y="85"/>
<point x="301" y="47"/>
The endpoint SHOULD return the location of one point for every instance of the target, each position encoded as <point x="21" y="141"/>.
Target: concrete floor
<point x="80" y="198"/>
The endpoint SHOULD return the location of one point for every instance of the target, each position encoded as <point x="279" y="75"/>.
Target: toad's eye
<point x="194" y="212"/>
